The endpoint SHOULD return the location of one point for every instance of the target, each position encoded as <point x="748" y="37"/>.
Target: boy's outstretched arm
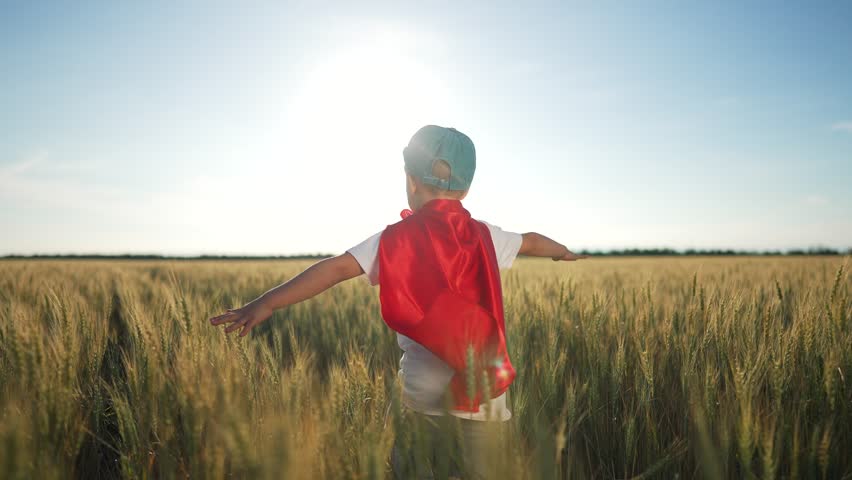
<point x="537" y="245"/>
<point x="314" y="280"/>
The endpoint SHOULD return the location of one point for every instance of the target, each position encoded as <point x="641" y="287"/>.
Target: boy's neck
<point x="428" y="198"/>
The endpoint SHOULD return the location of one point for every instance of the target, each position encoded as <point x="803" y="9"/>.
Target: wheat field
<point x="728" y="367"/>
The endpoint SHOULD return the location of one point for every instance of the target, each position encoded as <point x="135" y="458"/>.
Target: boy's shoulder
<point x="507" y="244"/>
<point x="412" y="227"/>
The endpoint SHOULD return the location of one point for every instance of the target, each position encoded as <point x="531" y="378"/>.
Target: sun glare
<point x="363" y="101"/>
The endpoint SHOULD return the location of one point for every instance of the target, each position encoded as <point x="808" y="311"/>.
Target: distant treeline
<point x="629" y="252"/>
<point x="664" y="252"/>
<point x="128" y="256"/>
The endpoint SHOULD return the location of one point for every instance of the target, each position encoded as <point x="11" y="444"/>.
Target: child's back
<point x="438" y="272"/>
<point x="424" y="376"/>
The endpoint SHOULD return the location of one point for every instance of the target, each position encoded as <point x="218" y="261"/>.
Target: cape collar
<point x="442" y="205"/>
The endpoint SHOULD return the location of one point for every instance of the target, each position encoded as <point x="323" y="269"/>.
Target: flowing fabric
<point x="439" y="285"/>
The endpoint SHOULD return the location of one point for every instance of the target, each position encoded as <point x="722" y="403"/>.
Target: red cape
<point x="440" y="286"/>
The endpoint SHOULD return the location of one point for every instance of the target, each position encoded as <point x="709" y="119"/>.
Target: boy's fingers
<point x="231" y="316"/>
<point x="218" y="319"/>
<point x="236" y="325"/>
<point x="246" y="329"/>
<point x="249" y="327"/>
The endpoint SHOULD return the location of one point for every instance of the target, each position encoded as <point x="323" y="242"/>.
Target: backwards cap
<point x="432" y="143"/>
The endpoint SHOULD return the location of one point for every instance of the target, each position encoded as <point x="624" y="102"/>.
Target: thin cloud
<point x="27" y="163"/>
<point x="817" y="200"/>
<point x="842" y="127"/>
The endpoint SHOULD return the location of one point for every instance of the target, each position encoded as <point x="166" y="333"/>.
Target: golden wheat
<point x="627" y="367"/>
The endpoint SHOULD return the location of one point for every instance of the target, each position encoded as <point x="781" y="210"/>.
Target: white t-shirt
<point x="424" y="376"/>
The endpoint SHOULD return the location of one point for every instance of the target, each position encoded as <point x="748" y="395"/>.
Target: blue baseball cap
<point x="432" y="143"/>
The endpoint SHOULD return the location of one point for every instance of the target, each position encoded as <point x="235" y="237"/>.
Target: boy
<point x="438" y="273"/>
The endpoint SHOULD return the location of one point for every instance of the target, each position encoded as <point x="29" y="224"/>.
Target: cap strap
<point x="435" y="181"/>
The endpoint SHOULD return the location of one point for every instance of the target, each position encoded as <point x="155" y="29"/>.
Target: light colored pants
<point x="430" y="446"/>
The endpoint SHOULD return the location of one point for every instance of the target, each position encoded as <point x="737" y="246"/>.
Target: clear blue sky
<point x="276" y="128"/>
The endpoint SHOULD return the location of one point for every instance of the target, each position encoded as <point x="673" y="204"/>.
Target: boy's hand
<point x="317" y="278"/>
<point x="246" y="317"/>
<point x="537" y="245"/>
<point x="570" y="257"/>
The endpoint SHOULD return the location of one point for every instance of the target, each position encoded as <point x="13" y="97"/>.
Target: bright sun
<point x="367" y="100"/>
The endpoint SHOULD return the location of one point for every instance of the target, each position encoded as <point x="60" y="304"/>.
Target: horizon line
<point x="661" y="251"/>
